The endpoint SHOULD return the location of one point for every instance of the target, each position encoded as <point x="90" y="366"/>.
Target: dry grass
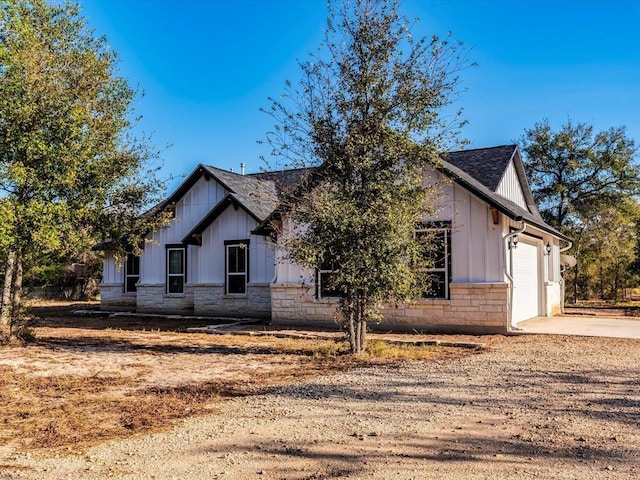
<point x="81" y="383"/>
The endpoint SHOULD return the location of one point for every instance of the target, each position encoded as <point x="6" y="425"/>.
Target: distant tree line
<point x="586" y="184"/>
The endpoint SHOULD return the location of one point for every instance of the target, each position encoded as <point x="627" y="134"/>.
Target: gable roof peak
<point x="487" y="165"/>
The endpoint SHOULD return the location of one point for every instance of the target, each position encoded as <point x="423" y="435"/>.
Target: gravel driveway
<point x="529" y="407"/>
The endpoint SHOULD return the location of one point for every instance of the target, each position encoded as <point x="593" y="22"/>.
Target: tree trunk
<point x="363" y="335"/>
<point x="362" y="326"/>
<point x="357" y="319"/>
<point x="17" y="296"/>
<point x="575" y="284"/>
<point x="5" y="314"/>
<point x="354" y="312"/>
<point x="616" y="283"/>
<point x="600" y="288"/>
<point x="358" y="339"/>
<point x="352" y="333"/>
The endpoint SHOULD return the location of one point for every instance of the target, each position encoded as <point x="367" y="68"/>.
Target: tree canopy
<point x="586" y="184"/>
<point x="575" y="171"/>
<point x="372" y="113"/>
<point x="71" y="171"/>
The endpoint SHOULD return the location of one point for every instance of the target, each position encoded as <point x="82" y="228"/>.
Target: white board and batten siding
<point x="510" y="187"/>
<point x="288" y="272"/>
<point x="475" y="250"/>
<point x="111" y="274"/>
<point x="476" y="255"/>
<point x="189" y="210"/>
<point x="233" y="224"/>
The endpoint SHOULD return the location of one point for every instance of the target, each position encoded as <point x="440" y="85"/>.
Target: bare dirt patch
<point x="87" y="379"/>
<point x="526" y="407"/>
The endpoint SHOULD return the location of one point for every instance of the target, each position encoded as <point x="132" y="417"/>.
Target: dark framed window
<point x="324" y="286"/>
<point x="437" y="255"/>
<point x="131" y="273"/>
<point x="176" y="269"/>
<point x="236" y="267"/>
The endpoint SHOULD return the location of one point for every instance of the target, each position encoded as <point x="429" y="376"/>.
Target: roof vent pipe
<point x="242" y="166"/>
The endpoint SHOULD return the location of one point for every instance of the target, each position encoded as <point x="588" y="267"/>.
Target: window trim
<point x="445" y="227"/>
<point x="319" y="295"/>
<point x="318" y="281"/>
<point x="244" y="243"/>
<point x="170" y="248"/>
<point x="127" y="275"/>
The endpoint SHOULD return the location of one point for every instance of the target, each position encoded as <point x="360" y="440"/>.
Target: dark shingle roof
<point x="487" y="165"/>
<point x="255" y="196"/>
<point x="478" y="170"/>
<point x="283" y="178"/>
<point x="503" y="205"/>
<point x="259" y="197"/>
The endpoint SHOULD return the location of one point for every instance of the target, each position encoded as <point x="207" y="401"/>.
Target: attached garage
<point x="527" y="288"/>
<point x="499" y="265"/>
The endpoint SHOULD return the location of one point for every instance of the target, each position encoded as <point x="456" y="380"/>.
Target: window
<point x="324" y="289"/>
<point x="437" y="238"/>
<point x="175" y="269"/>
<point x="131" y="273"/>
<point x="237" y="267"/>
<point x="323" y="282"/>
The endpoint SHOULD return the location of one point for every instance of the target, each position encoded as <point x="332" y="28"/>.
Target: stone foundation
<point x="112" y="297"/>
<point x="211" y="300"/>
<point x="153" y="299"/>
<point x="472" y="308"/>
<point x="205" y="300"/>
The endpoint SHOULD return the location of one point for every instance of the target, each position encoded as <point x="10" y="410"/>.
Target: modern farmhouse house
<point x="499" y="262"/>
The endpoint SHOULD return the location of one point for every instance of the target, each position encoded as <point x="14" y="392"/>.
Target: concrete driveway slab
<point x="584" y="325"/>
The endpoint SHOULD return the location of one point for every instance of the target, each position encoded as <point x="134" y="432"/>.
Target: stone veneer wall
<point x="209" y="299"/>
<point x="152" y="298"/>
<point x="472" y="308"/>
<point x="112" y="297"/>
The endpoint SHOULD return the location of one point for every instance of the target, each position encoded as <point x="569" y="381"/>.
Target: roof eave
<point x="194" y="237"/>
<point x="499" y="206"/>
<point x="266" y="226"/>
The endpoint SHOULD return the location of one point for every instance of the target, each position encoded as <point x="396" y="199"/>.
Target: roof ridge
<point x="483" y="148"/>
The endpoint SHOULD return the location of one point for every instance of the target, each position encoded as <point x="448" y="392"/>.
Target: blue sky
<point x="206" y="67"/>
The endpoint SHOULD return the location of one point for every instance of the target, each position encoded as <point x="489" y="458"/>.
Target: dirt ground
<point x="245" y="408"/>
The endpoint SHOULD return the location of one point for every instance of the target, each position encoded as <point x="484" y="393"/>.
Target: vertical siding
<point x="510" y="187"/>
<point x="476" y="243"/>
<point x="190" y="209"/>
<point x="111" y="274"/>
<point x="233" y="225"/>
<point x="288" y="272"/>
<point x="555" y="264"/>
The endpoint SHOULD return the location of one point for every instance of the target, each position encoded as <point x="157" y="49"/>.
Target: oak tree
<point x="576" y="170"/>
<point x="585" y="182"/>
<point x="71" y="171"/>
<point x="371" y="114"/>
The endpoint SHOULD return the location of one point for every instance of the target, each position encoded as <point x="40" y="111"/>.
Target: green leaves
<point x="586" y="185"/>
<point x="369" y="114"/>
<point x="70" y="172"/>
<point x="575" y="171"/>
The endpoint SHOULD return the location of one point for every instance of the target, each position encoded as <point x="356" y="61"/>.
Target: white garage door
<point x="526" y="282"/>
